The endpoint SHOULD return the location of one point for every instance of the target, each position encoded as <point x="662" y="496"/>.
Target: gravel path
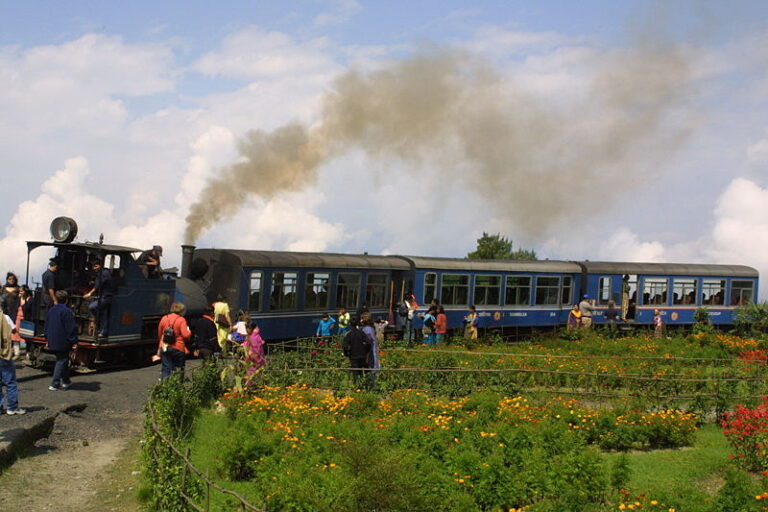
<point x="88" y="460"/>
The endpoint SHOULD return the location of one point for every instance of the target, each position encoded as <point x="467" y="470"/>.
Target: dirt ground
<point x="89" y="462"/>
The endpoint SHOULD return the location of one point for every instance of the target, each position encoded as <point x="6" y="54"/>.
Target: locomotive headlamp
<point x="63" y="229"/>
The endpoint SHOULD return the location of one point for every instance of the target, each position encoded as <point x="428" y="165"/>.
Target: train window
<point x="430" y="287"/>
<point x="684" y="292"/>
<point x="254" y="292"/>
<point x="284" y="288"/>
<point x="455" y="290"/>
<point x="547" y="290"/>
<point x="712" y="291"/>
<point x="742" y="292"/>
<point x="654" y="291"/>
<point x="376" y="290"/>
<point x="112" y="261"/>
<point x="316" y="289"/>
<point x="348" y="290"/>
<point x="487" y="290"/>
<point x="518" y="291"/>
<point x="604" y="290"/>
<point x="567" y="287"/>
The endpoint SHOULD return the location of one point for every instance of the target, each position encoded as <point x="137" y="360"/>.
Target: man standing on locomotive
<point x="49" y="283"/>
<point x="102" y="287"/>
<point x="149" y="261"/>
<point x="61" y="333"/>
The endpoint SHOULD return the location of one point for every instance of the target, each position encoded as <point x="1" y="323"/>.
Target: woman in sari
<point x="254" y="350"/>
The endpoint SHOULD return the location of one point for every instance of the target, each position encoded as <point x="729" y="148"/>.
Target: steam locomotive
<point x="286" y="292"/>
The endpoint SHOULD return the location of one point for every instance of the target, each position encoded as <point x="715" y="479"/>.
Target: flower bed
<point x="300" y="448"/>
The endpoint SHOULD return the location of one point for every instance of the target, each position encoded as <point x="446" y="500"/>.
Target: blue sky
<point x="120" y="113"/>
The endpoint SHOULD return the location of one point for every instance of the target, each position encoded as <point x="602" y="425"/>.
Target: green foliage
<point x="244" y="446"/>
<point x="620" y="472"/>
<point x="497" y="247"/>
<point x="737" y="493"/>
<point x="171" y="410"/>
<point x="751" y="319"/>
<point x="408" y="452"/>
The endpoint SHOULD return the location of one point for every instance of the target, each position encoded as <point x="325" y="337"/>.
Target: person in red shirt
<point x="441" y="324"/>
<point x="172" y="334"/>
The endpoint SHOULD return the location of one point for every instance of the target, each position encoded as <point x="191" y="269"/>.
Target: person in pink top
<point x="441" y="325"/>
<point x="254" y="350"/>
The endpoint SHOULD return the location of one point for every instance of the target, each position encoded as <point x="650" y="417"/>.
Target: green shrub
<point x="620" y="472"/>
<point x="737" y="493"/>
<point x="243" y="445"/>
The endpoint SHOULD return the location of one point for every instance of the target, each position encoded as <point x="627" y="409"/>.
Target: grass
<point x="686" y="479"/>
<point x="120" y="484"/>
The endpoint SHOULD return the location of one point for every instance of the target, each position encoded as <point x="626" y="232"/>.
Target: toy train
<point x="286" y="292"/>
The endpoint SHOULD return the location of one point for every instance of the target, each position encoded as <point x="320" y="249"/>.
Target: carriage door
<point x="400" y="285"/>
<point x="628" y="296"/>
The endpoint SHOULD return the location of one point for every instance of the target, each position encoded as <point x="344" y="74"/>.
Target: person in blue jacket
<point x="325" y="328"/>
<point x="61" y="333"/>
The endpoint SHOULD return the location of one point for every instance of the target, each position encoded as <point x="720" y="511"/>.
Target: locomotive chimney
<point x="187" y="251"/>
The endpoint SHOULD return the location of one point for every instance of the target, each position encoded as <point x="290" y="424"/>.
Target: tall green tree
<point x="497" y="247"/>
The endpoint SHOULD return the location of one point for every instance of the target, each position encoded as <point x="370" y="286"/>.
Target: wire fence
<point x="190" y="471"/>
<point x="712" y="383"/>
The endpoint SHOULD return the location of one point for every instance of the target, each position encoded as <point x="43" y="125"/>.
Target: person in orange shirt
<point x="441" y="325"/>
<point x="173" y="333"/>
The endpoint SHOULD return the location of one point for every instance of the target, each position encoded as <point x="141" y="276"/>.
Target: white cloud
<point x="76" y="84"/>
<point x="623" y="245"/>
<point x="493" y="41"/>
<point x="254" y="53"/>
<point x="740" y="233"/>
<point x="341" y="11"/>
<point x="63" y="194"/>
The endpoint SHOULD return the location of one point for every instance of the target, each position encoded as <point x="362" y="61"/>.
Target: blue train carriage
<point x="285" y="293"/>
<point x="507" y="293"/>
<point x="676" y="289"/>
<point x="137" y="305"/>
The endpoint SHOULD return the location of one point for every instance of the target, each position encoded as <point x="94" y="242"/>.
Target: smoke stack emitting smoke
<point x="533" y="163"/>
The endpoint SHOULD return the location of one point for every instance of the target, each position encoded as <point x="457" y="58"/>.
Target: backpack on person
<point x="169" y="335"/>
<point x="429" y="323"/>
<point x="402" y="310"/>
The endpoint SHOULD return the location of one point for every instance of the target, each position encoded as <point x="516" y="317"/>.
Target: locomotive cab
<point x="127" y="318"/>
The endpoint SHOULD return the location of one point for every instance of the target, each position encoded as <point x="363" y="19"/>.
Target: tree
<point x="497" y="247"/>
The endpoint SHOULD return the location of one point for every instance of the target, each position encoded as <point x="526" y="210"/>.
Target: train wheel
<point x="82" y="360"/>
<point x="33" y="355"/>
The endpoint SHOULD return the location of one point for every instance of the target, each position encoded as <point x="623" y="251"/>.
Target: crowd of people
<point x="580" y="317"/>
<point x="363" y="335"/>
<point x="212" y="335"/>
